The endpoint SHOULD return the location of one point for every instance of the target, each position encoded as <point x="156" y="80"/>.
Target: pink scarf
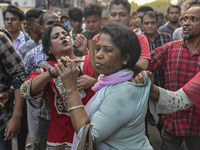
<point x="118" y="77"/>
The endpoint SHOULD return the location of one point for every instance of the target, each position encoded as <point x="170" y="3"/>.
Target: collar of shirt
<point x="19" y="41"/>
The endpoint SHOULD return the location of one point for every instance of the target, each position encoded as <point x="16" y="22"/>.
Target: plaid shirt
<point x="26" y="47"/>
<point x="166" y="28"/>
<point x="160" y="39"/>
<point x="180" y="65"/>
<point x="32" y="59"/>
<point x="11" y="73"/>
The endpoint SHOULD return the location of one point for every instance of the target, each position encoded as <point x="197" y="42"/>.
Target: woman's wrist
<point x="154" y="92"/>
<point x="51" y="74"/>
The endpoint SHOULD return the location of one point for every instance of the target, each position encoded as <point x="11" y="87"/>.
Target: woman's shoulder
<point x="130" y="85"/>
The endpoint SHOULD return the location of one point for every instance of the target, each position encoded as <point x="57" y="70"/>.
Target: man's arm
<point x="145" y="56"/>
<point x="14" y="124"/>
<point x="143" y="63"/>
<point x="15" y="69"/>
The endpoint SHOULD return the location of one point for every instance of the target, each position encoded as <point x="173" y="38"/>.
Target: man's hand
<point x="4" y="97"/>
<point x="154" y="91"/>
<point x="12" y="128"/>
<point x="80" y="43"/>
<point x="86" y="82"/>
<point x="140" y="77"/>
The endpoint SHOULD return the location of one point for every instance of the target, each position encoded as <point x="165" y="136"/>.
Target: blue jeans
<point x="5" y="145"/>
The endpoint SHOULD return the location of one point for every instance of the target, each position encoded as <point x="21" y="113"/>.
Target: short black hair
<point x="125" y="3"/>
<point x="134" y="13"/>
<point x="33" y="14"/>
<point x="92" y="9"/>
<point x="174" y="6"/>
<point x="144" y="9"/>
<point x="46" y="40"/>
<point x="194" y="4"/>
<point x="15" y="11"/>
<point x="41" y="18"/>
<point x="75" y="14"/>
<point x="150" y="14"/>
<point x="160" y="14"/>
<point x="126" y="40"/>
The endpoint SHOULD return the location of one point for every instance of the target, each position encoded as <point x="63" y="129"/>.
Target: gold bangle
<point x="75" y="107"/>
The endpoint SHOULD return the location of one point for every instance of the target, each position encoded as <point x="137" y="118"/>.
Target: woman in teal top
<point x="117" y="110"/>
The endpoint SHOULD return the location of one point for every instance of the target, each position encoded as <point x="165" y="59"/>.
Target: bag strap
<point x="90" y="140"/>
<point x="86" y="137"/>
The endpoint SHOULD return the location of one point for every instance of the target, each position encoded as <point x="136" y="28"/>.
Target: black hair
<point x="125" y="3"/>
<point x="134" y="13"/>
<point x="15" y="11"/>
<point x="160" y="14"/>
<point x="144" y="9"/>
<point x="126" y="40"/>
<point x="194" y="4"/>
<point x="46" y="40"/>
<point x="41" y="18"/>
<point x="92" y="9"/>
<point x="150" y="14"/>
<point x="33" y="14"/>
<point x="174" y="6"/>
<point x="75" y="14"/>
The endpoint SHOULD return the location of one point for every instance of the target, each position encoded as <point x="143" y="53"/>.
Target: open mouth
<point x="64" y="42"/>
<point x="186" y="29"/>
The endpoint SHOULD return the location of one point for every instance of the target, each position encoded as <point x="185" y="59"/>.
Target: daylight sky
<point x="141" y="2"/>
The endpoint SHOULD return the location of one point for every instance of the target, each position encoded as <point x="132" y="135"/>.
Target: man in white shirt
<point x="13" y="19"/>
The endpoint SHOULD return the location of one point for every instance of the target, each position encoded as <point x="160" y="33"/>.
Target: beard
<point x="173" y="21"/>
<point x="187" y="36"/>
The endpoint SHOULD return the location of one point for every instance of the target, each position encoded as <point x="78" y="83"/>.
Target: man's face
<point x="149" y="25"/>
<point x="26" y="26"/>
<point x="173" y="15"/>
<point x="191" y="25"/>
<point x="50" y="19"/>
<point x="93" y="23"/>
<point x="76" y="25"/>
<point x="35" y="26"/>
<point x="160" y="21"/>
<point x="119" y="14"/>
<point x="135" y="21"/>
<point x="12" y="23"/>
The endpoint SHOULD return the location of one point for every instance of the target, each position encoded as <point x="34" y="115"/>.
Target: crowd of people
<point x="53" y="82"/>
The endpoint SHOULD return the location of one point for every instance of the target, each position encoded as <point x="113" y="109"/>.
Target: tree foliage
<point x="158" y="5"/>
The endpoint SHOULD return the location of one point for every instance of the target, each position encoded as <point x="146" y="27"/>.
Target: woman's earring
<point x="125" y="62"/>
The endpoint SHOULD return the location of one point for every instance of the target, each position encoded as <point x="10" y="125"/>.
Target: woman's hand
<point x="68" y="72"/>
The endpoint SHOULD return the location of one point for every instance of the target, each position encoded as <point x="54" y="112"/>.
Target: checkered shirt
<point x="12" y="73"/>
<point x="180" y="65"/>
